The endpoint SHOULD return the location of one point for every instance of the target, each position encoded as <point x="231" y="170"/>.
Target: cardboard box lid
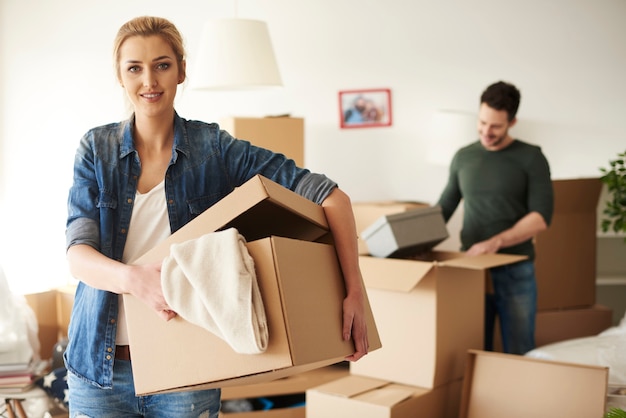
<point x="414" y="231"/>
<point x="283" y="213"/>
<point x="505" y="385"/>
<point x="374" y="391"/>
<point x="400" y="216"/>
<point x="576" y="195"/>
<point x="408" y="273"/>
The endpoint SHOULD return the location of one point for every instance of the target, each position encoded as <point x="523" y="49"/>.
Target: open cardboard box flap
<point x="408" y="273"/>
<point x="386" y="393"/>
<point x="283" y="213"/>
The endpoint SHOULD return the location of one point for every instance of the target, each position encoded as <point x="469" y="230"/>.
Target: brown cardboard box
<point x="52" y="309"/>
<point x="295" y="384"/>
<point x="500" y="385"/>
<point x="566" y="252"/>
<point x="566" y="324"/>
<point x="428" y="314"/>
<point x="362" y="397"/>
<point x="65" y="303"/>
<point x="398" y="235"/>
<point x="294" y="275"/>
<point x="44" y="305"/>
<point x="279" y="134"/>
<point x="366" y="213"/>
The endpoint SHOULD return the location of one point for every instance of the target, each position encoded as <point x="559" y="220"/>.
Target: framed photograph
<point x="365" y="108"/>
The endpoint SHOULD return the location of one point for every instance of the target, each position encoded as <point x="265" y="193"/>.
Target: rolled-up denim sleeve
<point x="82" y="231"/>
<point x="315" y="187"/>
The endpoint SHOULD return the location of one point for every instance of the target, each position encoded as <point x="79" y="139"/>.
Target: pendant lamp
<point x="235" y="54"/>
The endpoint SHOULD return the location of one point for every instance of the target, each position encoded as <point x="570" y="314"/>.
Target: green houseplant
<point x="614" y="211"/>
<point x="615" y="413"/>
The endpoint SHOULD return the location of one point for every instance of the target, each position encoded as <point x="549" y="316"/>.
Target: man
<point x="507" y="198"/>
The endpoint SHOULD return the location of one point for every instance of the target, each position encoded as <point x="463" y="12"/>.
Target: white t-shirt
<point x="149" y="225"/>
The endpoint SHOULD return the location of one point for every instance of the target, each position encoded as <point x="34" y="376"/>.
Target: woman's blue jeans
<point x="514" y="302"/>
<point x="86" y="400"/>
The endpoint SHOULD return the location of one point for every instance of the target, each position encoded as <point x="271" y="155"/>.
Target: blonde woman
<point x="135" y="183"/>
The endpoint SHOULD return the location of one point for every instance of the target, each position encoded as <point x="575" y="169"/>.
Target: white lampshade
<point x="235" y="54"/>
<point x="450" y="130"/>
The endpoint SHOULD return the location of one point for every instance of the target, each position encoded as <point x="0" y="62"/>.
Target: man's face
<point x="493" y="128"/>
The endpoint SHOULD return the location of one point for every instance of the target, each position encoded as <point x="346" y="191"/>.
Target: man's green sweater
<point x="498" y="188"/>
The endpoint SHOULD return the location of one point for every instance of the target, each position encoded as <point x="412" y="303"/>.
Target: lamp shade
<point x="450" y="130"/>
<point x="235" y="54"/>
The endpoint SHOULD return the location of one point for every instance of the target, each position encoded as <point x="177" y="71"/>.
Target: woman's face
<point x="149" y="73"/>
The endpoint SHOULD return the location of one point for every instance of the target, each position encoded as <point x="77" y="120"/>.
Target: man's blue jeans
<point x="90" y="401"/>
<point x="514" y="302"/>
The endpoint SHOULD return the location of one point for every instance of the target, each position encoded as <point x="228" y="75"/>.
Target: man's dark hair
<point x="502" y="96"/>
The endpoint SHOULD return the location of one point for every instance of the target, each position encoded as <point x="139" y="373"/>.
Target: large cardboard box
<point x="280" y="134"/>
<point x="566" y="324"/>
<point x="566" y="252"/>
<point x="366" y="213"/>
<point x="294" y="275"/>
<point x="404" y="234"/>
<point x="428" y="314"/>
<point x="291" y="385"/>
<point x="362" y="397"/>
<point x="500" y="385"/>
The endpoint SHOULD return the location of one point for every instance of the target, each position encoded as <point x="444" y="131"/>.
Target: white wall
<point x="56" y="77"/>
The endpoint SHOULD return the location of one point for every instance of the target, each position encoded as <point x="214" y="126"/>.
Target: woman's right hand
<point x="144" y="282"/>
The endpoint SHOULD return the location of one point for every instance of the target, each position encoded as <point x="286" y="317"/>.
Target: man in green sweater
<point x="507" y="198"/>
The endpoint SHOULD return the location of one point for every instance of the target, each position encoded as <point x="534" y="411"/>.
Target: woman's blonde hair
<point x="151" y="26"/>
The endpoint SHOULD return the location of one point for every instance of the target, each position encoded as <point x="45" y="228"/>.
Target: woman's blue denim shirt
<point x="207" y="164"/>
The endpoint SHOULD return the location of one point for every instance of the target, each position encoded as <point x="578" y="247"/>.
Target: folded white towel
<point x="210" y="281"/>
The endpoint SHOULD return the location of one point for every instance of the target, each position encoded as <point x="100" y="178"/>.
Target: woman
<point x="135" y="183"/>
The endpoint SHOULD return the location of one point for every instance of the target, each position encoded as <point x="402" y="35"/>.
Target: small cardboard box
<point x="566" y="251"/>
<point x="52" y="309"/>
<point x="366" y="213"/>
<point x="500" y="385"/>
<point x="44" y="306"/>
<point x="291" y="385"/>
<point x="403" y="234"/>
<point x="428" y="314"/>
<point x="283" y="134"/>
<point x="294" y="275"/>
<point x="362" y="397"/>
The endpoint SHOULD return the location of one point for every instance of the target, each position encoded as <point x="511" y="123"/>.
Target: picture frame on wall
<point x="365" y="108"/>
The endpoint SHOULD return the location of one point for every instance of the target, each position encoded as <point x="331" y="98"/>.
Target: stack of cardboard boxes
<point x="429" y="312"/>
<point x="566" y="266"/>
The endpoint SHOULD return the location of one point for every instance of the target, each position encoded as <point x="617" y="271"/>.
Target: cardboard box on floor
<point x="280" y="134"/>
<point x="566" y="252"/>
<point x="500" y="385"/>
<point x="52" y="308"/>
<point x="566" y="324"/>
<point x="363" y="397"/>
<point x="296" y="384"/>
<point x="294" y="275"/>
<point x="366" y="213"/>
<point x="428" y="314"/>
